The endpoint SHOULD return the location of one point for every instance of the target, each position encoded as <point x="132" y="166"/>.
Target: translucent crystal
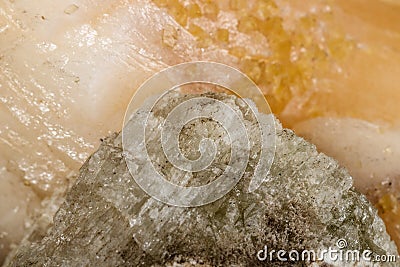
<point x="306" y="202"/>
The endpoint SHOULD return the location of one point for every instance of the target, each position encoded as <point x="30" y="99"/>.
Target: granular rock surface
<point x="307" y="202"/>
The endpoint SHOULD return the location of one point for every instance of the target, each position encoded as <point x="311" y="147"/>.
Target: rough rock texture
<point x="307" y="202"/>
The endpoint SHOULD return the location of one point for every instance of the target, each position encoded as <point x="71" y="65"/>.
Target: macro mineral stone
<point x="307" y="202"/>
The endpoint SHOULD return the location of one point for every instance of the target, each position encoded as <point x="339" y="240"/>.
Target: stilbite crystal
<point x="307" y="202"/>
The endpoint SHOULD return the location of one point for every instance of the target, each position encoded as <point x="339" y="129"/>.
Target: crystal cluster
<point x="279" y="65"/>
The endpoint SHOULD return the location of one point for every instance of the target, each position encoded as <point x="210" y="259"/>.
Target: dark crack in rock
<point x="306" y="203"/>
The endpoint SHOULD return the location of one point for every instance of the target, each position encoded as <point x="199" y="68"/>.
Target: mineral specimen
<point x="307" y="202"/>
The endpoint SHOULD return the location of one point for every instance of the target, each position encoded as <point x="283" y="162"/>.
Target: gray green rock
<point x="307" y="202"/>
